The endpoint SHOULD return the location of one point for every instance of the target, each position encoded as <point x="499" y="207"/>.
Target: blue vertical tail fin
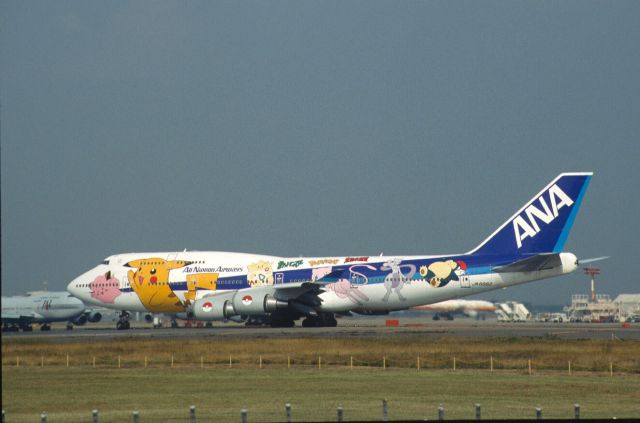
<point x="543" y="224"/>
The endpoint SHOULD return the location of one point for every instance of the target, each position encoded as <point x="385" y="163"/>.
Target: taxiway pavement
<point x="371" y="326"/>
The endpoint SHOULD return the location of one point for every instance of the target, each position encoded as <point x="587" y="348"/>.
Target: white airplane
<point x="21" y="311"/>
<point x="220" y="285"/>
<point x="447" y="309"/>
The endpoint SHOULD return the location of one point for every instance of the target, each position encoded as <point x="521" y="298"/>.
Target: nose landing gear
<point x="123" y="321"/>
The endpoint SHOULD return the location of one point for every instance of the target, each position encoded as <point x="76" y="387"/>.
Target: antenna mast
<point x="592" y="271"/>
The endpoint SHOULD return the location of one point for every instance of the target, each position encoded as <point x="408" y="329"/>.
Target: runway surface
<point x="371" y="326"/>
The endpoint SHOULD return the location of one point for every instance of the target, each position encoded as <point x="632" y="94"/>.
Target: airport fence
<point x="491" y="363"/>
<point x="341" y="414"/>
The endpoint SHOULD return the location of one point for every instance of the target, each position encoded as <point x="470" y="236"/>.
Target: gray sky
<point x="312" y="128"/>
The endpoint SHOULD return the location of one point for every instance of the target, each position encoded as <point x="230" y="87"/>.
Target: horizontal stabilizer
<point x="532" y="264"/>
<point x="591" y="260"/>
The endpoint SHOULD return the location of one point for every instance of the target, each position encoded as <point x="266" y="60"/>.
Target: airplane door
<point x="279" y="278"/>
<point x="465" y="282"/>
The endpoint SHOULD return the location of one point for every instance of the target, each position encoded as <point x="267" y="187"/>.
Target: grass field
<point x="69" y="394"/>
<point x="506" y="353"/>
<point x="35" y="378"/>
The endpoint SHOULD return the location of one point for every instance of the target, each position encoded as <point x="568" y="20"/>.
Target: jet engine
<point x="94" y="317"/>
<point x="248" y="302"/>
<point x="80" y="320"/>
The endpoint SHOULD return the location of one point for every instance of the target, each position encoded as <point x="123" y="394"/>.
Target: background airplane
<point x="448" y="309"/>
<point x="221" y="285"/>
<point x="20" y="312"/>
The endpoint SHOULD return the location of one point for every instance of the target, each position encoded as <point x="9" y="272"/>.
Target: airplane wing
<point x="327" y="279"/>
<point x="532" y="264"/>
<point x="301" y="296"/>
<point x="302" y="286"/>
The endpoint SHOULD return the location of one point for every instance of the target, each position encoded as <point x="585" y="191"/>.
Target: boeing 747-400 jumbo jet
<point x="220" y="285"/>
<point x="20" y="312"/>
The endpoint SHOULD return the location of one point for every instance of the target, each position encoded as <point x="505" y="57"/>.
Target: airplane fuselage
<point x="41" y="308"/>
<point x="220" y="285"/>
<point x="374" y="283"/>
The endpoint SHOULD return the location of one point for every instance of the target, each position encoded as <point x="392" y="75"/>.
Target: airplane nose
<point x="72" y="288"/>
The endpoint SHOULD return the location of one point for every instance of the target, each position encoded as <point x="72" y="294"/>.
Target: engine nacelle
<point x="213" y="307"/>
<point x="94" y="317"/>
<point x="148" y="318"/>
<point x="249" y="302"/>
<point x="252" y="302"/>
<point x="80" y="320"/>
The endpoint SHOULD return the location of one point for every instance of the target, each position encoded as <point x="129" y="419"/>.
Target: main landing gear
<point x="282" y="320"/>
<point x="45" y="327"/>
<point x="123" y="321"/>
<point x="10" y="327"/>
<point x="321" y="320"/>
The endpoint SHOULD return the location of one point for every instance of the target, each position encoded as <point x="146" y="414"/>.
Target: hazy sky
<point x="313" y="128"/>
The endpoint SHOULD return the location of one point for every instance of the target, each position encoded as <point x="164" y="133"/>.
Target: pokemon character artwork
<point x="260" y="273"/>
<point x="105" y="288"/>
<point x="440" y="273"/>
<point x="151" y="283"/>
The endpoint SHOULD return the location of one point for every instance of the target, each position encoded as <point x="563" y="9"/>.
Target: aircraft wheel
<point x="310" y="322"/>
<point x="27" y="328"/>
<point x="332" y="322"/>
<point x="119" y="326"/>
<point x="280" y="322"/>
<point x="69" y="326"/>
<point x="326" y="320"/>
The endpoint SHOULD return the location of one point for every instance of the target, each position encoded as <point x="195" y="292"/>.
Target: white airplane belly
<point x="128" y="301"/>
<point x="378" y="297"/>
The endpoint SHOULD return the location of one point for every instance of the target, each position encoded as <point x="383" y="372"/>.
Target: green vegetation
<point x="69" y="394"/>
<point x="201" y="376"/>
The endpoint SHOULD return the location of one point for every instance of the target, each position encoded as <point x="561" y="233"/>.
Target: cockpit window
<point x="105" y="262"/>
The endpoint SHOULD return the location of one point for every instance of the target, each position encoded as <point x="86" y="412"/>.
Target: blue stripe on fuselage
<point x="475" y="265"/>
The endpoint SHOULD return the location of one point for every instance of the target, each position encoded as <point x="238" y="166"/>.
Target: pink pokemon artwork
<point x="105" y="288"/>
<point x="345" y="289"/>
